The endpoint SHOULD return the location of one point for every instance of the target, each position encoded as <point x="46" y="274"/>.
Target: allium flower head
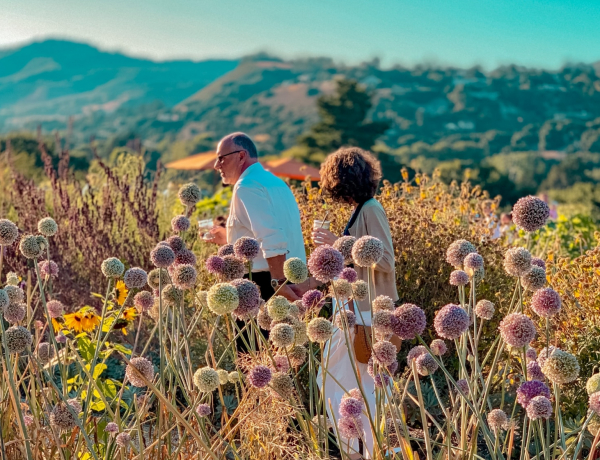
<point x="112" y="267"/>
<point x="30" y="247"/>
<point x="222" y="298"/>
<point x="538" y="262"/>
<point x="295" y="270"/>
<point x="263" y="319"/>
<point x="295" y="308"/>
<point x="345" y="317"/>
<point x="14" y="313"/>
<point x="341" y="289"/>
<point x="539" y="407"/>
<point x="367" y="251"/>
<point x="135" y="278"/>
<point x="189" y="194"/>
<point x="282" y="335"/>
<point x="426" y="364"/>
<point x="529" y="390"/>
<point x="360" y="290"/>
<point x="61" y="338"/>
<point x="47" y="226"/>
<point x="15" y="294"/>
<point x="206" y="379"/>
<point x="223" y="376"/>
<point x="350" y="428"/>
<point x="75" y="405"/>
<point x="561" y="367"/>
<point x="544" y="353"/>
<point x="180" y="224"/>
<point x="534" y="279"/>
<point x="123" y="440"/>
<point x="546" y="302"/>
<point x="226" y="250"/>
<point x="203" y="410"/>
<point x="485" y="309"/>
<point x="259" y="376"/>
<point x="214" y="265"/>
<point x="111" y="428"/>
<point x="12" y="279"/>
<point x="385" y="352"/>
<point x="17" y="339"/>
<point x="282" y="385"/>
<point x="349" y="274"/>
<point x="594" y="402"/>
<point x="351" y="407"/>
<point x="278" y="307"/>
<point x="62" y="417"/>
<point x="517" y="330"/>
<point x="176" y="243"/>
<point x="497" y="420"/>
<point x="438" y="347"/>
<point x="162" y="256"/>
<point x="45" y="352"/>
<point x="312" y="299"/>
<point x="530" y="354"/>
<point x="534" y="371"/>
<point x="473" y="262"/>
<point x="297" y="355"/>
<point x="185" y="256"/>
<point x="463" y="386"/>
<point x="415" y="352"/>
<point x="383" y="302"/>
<point x="172" y="296"/>
<point x="4" y="300"/>
<point x="457" y="251"/>
<point x="530" y="213"/>
<point x="139" y="366"/>
<point x="383" y="321"/>
<point x="459" y="278"/>
<point x="344" y="244"/>
<point x="184" y="276"/>
<point x="410" y="322"/>
<point x="319" y="330"/>
<point x="281" y="363"/>
<point x="48" y="269"/>
<point x="249" y="299"/>
<point x="325" y="263"/>
<point x="143" y="301"/>
<point x="154" y="275"/>
<point x="8" y="232"/>
<point x="517" y="261"/>
<point x="246" y="248"/>
<point x="593" y="384"/>
<point x="233" y="377"/>
<point x="451" y="322"/>
<point x="233" y="268"/>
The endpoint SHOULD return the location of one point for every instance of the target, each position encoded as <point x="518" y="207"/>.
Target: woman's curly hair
<point x="350" y="173"/>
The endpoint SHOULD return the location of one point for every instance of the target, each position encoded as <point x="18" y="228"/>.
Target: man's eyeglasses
<point x="220" y="159"/>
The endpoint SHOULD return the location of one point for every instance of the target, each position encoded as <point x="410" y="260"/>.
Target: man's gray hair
<point x="244" y="142"/>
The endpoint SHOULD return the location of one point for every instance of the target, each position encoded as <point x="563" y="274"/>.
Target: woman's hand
<point x="219" y="236"/>
<point x="322" y="236"/>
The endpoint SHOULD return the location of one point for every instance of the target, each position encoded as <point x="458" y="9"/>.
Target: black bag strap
<point x="353" y="218"/>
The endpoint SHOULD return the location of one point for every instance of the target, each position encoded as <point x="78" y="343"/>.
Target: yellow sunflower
<point x="57" y="323"/>
<point x="121" y="292"/>
<point x="83" y="320"/>
<point x="130" y="314"/>
<point x="74" y="321"/>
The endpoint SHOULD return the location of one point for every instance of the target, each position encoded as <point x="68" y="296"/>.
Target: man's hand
<point x="287" y="291"/>
<point x="219" y="236"/>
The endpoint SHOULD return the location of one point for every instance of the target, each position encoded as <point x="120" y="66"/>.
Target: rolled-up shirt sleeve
<point x="260" y="212"/>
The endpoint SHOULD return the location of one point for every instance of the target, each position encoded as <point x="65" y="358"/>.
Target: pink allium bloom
<point x="61" y="338"/>
<point x="463" y="386"/>
<point x="381" y="378"/>
<point x="517" y="330"/>
<point x="410" y="322"/>
<point x="459" y="278"/>
<point x="354" y="393"/>
<point x="383" y="302"/>
<point x="385" y="352"/>
<point x="137" y="366"/>
<point x="111" y="428"/>
<point x="451" y="322"/>
<point x="485" y="309"/>
<point x="185" y="256"/>
<point x="55" y="308"/>
<point x="259" y="376"/>
<point x="350" y="319"/>
<point x="517" y="261"/>
<point x="457" y="251"/>
<point x="162" y="256"/>
<point x="203" y="410"/>
<point x="382" y="321"/>
<point x="546" y="302"/>
<point x="263" y="319"/>
<point x="349" y="274"/>
<point x="350" y="407"/>
<point x="594" y="402"/>
<point x="14" y="313"/>
<point x="538" y="262"/>
<point x="143" y="301"/>
<point x="312" y="299"/>
<point x="176" y="243"/>
<point x="184" y="276"/>
<point x="426" y="364"/>
<point x="534" y="279"/>
<point x="530" y="213"/>
<point x="530" y="354"/>
<point x="180" y="224"/>
<point x="438" y="347"/>
<point x="249" y="299"/>
<point x="214" y="265"/>
<point x="226" y="250"/>
<point x="344" y="244"/>
<point x="539" y="407"/>
<point x="367" y="251"/>
<point x="534" y="371"/>
<point x="135" y="278"/>
<point x="497" y="420"/>
<point x="282" y="364"/>
<point x="233" y="268"/>
<point x="544" y="354"/>
<point x="415" y="352"/>
<point x="246" y="248"/>
<point x="48" y="268"/>
<point x="28" y="419"/>
<point x="350" y="428"/>
<point x="123" y="440"/>
<point x="473" y="261"/>
<point x="529" y="390"/>
<point x="325" y="263"/>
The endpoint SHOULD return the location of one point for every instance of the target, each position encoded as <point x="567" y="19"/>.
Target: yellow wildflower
<point x="85" y="320"/>
<point x="121" y="292"/>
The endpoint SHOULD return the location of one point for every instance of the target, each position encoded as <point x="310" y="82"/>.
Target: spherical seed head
<point x="233" y="377"/>
<point x="123" y="440"/>
<point x="517" y="261"/>
<point x="561" y="367"/>
<point x="451" y="322"/>
<point x="162" y="256"/>
<point x="594" y="402"/>
<point x="111" y="428"/>
<point x="385" y="352"/>
<point x="144" y="367"/>
<point x="349" y="274"/>
<point x="62" y="417"/>
<point x="539" y="407"/>
<point x="538" y="262"/>
<point x="438" y="347"/>
<point x="282" y="335"/>
<point x="143" y="301"/>
<point x="17" y="339"/>
<point x="410" y="322"/>
<point x="473" y="262"/>
<point x="263" y="319"/>
<point x="530" y="213"/>
<point x="223" y="376"/>
<point x="530" y="354"/>
<point x="497" y="420"/>
<point x="319" y="330"/>
<point x="350" y="428"/>
<point x="226" y="250"/>
<point x="459" y="278"/>
<point x="112" y="267"/>
<point x="383" y="302"/>
<point x="534" y="371"/>
<point x="47" y="226"/>
<point x="325" y="263"/>
<point x="12" y="279"/>
<point x="544" y="354"/>
<point x="297" y="355"/>
<point x="185" y="256"/>
<point x="15" y="294"/>
<point x="176" y="243"/>
<point x="249" y="299"/>
<point x="206" y="379"/>
<point x="345" y="244"/>
<point x="593" y="384"/>
<point x="463" y="386"/>
<point x="233" y="268"/>
<point x="282" y="364"/>
<point x="529" y="390"/>
<point x="246" y="248"/>
<point x="278" y="307"/>
<point x="189" y="194"/>
<point x="517" y="330"/>
<point x="48" y="269"/>
<point x="350" y="407"/>
<point x="14" y="313"/>
<point x="341" y="289"/>
<point x="75" y="405"/>
<point x="223" y="298"/>
<point x="8" y="232"/>
<point x="346" y="317"/>
<point x="45" y="352"/>
<point x="534" y="279"/>
<point x="203" y="410"/>
<point x="295" y="308"/>
<point x="485" y="309"/>
<point x="546" y="302"/>
<point x="295" y="270"/>
<point x="383" y="321"/>
<point x="415" y="352"/>
<point x="172" y="296"/>
<point x="282" y="385"/>
<point x="360" y="290"/>
<point x="214" y="265"/>
<point x="367" y="251"/>
<point x="61" y="338"/>
<point x="30" y="247"/>
<point x="312" y="299"/>
<point x="153" y="278"/>
<point x="259" y="376"/>
<point x="184" y="276"/>
<point x="426" y="364"/>
<point x="457" y="251"/>
<point x="135" y="278"/>
<point x="180" y="224"/>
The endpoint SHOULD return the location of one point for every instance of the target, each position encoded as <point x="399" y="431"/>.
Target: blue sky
<point x="456" y="32"/>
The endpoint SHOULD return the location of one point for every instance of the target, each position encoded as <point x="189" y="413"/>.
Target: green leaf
<point x="122" y="348"/>
<point x="98" y="406"/>
<point x="98" y="370"/>
<point x="85" y="347"/>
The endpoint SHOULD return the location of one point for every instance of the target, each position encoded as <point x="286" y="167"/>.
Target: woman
<point x="352" y="176"/>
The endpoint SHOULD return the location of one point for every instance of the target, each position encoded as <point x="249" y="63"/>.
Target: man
<point x="262" y="207"/>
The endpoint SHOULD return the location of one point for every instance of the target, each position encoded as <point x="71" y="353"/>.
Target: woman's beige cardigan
<point x="373" y="221"/>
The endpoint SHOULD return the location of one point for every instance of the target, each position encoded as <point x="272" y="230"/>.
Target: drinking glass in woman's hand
<point x="322" y="236"/>
<point x="218" y="234"/>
